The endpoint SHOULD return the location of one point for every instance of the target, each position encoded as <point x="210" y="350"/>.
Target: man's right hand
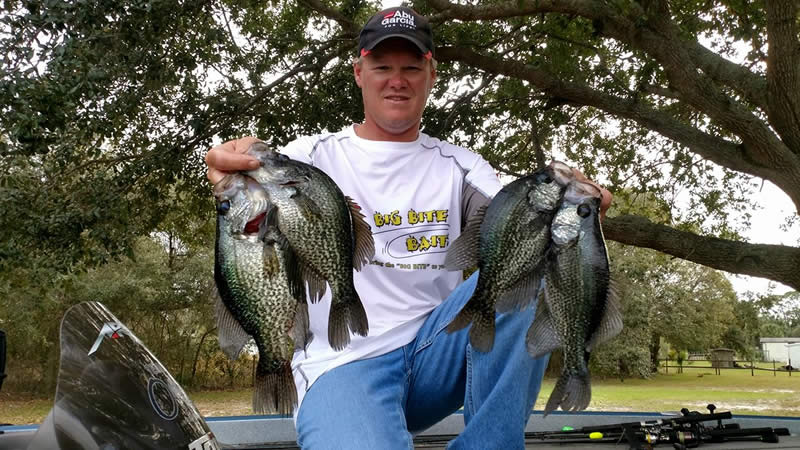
<point x="230" y="157"/>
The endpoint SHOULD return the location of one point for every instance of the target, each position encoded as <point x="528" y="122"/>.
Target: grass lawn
<point x="735" y="390"/>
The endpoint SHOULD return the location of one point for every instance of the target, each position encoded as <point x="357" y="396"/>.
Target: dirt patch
<point x="762" y="405"/>
<point x="228" y="408"/>
<point x="769" y="391"/>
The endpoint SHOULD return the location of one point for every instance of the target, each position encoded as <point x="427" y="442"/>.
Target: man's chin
<point x="398" y="127"/>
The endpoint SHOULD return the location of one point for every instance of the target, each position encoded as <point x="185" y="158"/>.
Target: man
<point x="417" y="193"/>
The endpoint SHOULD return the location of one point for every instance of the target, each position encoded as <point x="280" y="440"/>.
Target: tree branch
<point x="761" y="153"/>
<point x="783" y="70"/>
<point x="586" y="8"/>
<point x="715" y="149"/>
<point x="464" y="99"/>
<point x="776" y="262"/>
<point x="751" y="86"/>
<point x="660" y="38"/>
<point x="347" y="25"/>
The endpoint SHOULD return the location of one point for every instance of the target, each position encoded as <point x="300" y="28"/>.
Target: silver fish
<point x="326" y="230"/>
<point x="507" y="241"/>
<point x="259" y="295"/>
<point x="579" y="308"/>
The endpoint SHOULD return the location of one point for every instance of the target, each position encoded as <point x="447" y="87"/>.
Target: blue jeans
<point x="378" y="403"/>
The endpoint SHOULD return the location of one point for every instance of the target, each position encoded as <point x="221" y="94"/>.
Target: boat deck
<point x="277" y="432"/>
<point x="282" y="434"/>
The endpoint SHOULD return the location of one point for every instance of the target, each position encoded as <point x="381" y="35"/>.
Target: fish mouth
<point x="254" y="224"/>
<point x="561" y="172"/>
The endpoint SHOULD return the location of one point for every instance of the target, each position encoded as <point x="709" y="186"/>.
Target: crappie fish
<point x="579" y="308"/>
<point x="327" y="232"/>
<point x="261" y="293"/>
<point x="507" y="241"/>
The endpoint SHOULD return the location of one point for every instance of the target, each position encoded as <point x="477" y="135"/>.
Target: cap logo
<point x="400" y="18"/>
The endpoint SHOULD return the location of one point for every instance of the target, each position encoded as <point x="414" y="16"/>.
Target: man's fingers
<point x="605" y="202"/>
<point x="215" y="176"/>
<point x="228" y="161"/>
<point x="242" y="144"/>
<point x="230" y="157"/>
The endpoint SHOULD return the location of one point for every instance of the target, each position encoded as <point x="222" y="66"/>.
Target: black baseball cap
<point x="399" y="22"/>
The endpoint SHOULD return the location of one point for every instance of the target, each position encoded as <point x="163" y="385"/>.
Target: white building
<point x="782" y="350"/>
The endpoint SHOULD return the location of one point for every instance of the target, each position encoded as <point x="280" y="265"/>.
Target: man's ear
<point x="357" y="73"/>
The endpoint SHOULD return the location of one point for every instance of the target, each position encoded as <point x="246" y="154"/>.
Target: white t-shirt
<point x="416" y="197"/>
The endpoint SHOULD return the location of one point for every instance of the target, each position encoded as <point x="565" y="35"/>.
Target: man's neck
<point x="374" y="133"/>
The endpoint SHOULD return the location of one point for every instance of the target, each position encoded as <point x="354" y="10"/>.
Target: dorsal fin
<point x="611" y="323"/>
<point x="363" y="243"/>
<point x="523" y="293"/>
<point x="463" y="252"/>
<point x="231" y="335"/>
<point x="542" y="337"/>
<point x="317" y="286"/>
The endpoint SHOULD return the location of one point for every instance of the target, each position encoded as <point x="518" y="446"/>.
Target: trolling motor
<point x="2" y="357"/>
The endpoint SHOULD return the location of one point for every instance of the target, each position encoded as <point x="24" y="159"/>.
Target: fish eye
<point x="223" y="207"/>
<point x="584" y="210"/>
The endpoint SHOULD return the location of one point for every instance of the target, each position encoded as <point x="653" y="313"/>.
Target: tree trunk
<point x="655" y="345"/>
<point x="197" y="354"/>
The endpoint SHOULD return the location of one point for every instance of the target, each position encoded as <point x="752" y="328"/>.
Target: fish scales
<point x="578" y="309"/>
<point x="514" y="234"/>
<point x="327" y="233"/>
<point x="257" y="297"/>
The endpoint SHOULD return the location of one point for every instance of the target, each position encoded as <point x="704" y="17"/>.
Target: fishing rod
<point x="685" y="431"/>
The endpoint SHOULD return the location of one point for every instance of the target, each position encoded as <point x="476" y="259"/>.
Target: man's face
<point x="395" y="80"/>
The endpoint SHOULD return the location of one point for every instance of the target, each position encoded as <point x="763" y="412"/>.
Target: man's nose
<point x="398" y="81"/>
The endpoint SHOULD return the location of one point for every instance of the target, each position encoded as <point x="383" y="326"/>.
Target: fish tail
<point x="573" y="392"/>
<point x="274" y="391"/>
<point x="346" y="316"/>
<point x="481" y="334"/>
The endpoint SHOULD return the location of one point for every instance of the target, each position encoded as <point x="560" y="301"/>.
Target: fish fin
<point x="611" y="323"/>
<point x="269" y="224"/>
<point x="573" y="392"/>
<point x="523" y="294"/>
<point x="300" y="332"/>
<point x="232" y="337"/>
<point x="464" y="251"/>
<point x="363" y="243"/>
<point x="346" y="316"/>
<point x="274" y="392"/>
<point x="481" y="333"/>
<point x="273" y="240"/>
<point x="317" y="286"/>
<point x="294" y="271"/>
<point x="269" y="255"/>
<point x="460" y="321"/>
<point x="542" y="337"/>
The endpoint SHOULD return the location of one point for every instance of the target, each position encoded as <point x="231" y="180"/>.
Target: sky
<point x="765" y="229"/>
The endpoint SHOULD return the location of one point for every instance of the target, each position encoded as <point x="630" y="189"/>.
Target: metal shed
<point x="777" y="349"/>
<point x="722" y="358"/>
